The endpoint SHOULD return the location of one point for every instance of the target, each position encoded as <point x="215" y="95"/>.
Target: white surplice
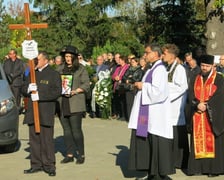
<point x="178" y="94"/>
<point x="155" y="95"/>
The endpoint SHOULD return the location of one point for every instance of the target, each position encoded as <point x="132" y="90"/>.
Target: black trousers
<point x="180" y="147"/>
<point x="42" y="151"/>
<point x="16" y="90"/>
<point x="130" y="96"/>
<point x="73" y="134"/>
<point x="119" y="104"/>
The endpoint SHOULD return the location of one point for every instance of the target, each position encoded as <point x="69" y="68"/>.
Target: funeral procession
<point x="112" y="90"/>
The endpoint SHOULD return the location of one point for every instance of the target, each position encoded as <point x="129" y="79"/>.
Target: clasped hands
<point x="138" y="85"/>
<point x="32" y="88"/>
<point x="202" y="106"/>
<point x="73" y="92"/>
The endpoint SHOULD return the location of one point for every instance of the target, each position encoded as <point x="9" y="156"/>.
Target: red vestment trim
<point x="203" y="137"/>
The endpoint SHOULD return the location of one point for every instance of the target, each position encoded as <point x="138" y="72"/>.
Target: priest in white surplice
<point x="178" y="86"/>
<point x="152" y="131"/>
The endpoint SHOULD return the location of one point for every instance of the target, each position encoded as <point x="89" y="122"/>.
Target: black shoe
<point x="67" y="160"/>
<point x="52" y="173"/>
<point x="114" y="116"/>
<point x="213" y="175"/>
<point x="80" y="160"/>
<point x="165" y="177"/>
<point x="31" y="170"/>
<point x="142" y="178"/>
<point x="84" y="115"/>
<point x="92" y="115"/>
<point x="121" y="119"/>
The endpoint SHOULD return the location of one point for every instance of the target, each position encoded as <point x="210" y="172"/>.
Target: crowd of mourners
<point x="162" y="97"/>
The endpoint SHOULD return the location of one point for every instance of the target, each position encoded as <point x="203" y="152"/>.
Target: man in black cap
<point x="205" y="115"/>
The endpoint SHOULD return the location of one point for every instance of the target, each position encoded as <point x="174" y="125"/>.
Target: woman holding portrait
<point x="73" y="106"/>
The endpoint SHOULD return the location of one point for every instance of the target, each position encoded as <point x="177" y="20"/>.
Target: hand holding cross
<point x="28" y="26"/>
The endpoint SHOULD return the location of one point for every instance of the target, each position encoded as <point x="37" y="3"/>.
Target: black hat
<point x="69" y="49"/>
<point x="207" y="59"/>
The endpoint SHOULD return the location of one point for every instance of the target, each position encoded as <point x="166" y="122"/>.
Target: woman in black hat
<point x="73" y="105"/>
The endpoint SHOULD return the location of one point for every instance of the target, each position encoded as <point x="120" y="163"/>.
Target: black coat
<point x="14" y="71"/>
<point x="216" y="118"/>
<point x="49" y="88"/>
<point x="133" y="74"/>
<point x="192" y="73"/>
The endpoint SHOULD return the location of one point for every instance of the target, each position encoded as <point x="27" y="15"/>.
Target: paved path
<point x="106" y="146"/>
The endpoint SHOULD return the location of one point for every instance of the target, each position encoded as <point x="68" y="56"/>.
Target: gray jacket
<point x="80" y="80"/>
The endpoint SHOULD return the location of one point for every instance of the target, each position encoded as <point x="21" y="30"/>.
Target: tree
<point x="122" y="25"/>
<point x="4" y="32"/>
<point x="174" y="22"/>
<point x="79" y="23"/>
<point x="214" y="27"/>
<point x="13" y="14"/>
<point x="206" y="20"/>
<point x="85" y="25"/>
<point x="15" y="9"/>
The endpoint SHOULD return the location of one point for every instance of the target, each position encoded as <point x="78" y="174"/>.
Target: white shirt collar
<point x="41" y="69"/>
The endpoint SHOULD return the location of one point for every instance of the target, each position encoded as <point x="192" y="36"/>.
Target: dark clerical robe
<point x="206" y="129"/>
<point x="154" y="152"/>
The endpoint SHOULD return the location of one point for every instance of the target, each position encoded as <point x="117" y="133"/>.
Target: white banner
<point x="29" y="49"/>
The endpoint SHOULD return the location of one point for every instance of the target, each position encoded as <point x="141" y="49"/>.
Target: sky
<point x="5" y="2"/>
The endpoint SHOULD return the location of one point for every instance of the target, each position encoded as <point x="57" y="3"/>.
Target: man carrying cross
<point x="48" y="89"/>
<point x="28" y="26"/>
<point x="42" y="87"/>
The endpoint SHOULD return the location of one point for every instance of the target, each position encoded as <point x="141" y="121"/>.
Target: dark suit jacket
<point x="14" y="71"/>
<point x="49" y="87"/>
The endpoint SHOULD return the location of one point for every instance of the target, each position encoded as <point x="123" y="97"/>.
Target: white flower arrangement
<point x="103" y="93"/>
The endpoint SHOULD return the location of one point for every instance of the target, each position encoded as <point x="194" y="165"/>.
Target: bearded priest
<point x="205" y="115"/>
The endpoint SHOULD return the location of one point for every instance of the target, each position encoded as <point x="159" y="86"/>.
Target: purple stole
<point x="142" y="127"/>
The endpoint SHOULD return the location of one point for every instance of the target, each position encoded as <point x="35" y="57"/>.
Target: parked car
<point x="9" y="116"/>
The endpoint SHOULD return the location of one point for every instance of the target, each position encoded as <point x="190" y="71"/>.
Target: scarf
<point x="203" y="137"/>
<point x="142" y="126"/>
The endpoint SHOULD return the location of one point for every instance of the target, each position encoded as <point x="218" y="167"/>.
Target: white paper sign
<point x="216" y="59"/>
<point x="29" y="49"/>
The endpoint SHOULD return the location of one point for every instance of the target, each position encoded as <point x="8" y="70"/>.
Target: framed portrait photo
<point x="66" y="80"/>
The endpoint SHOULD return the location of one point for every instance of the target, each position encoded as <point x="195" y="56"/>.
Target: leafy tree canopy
<point x="96" y="26"/>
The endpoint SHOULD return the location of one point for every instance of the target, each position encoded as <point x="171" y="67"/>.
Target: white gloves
<point x="35" y="96"/>
<point x="32" y="87"/>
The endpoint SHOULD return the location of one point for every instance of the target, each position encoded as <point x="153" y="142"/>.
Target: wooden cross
<point x="28" y="26"/>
